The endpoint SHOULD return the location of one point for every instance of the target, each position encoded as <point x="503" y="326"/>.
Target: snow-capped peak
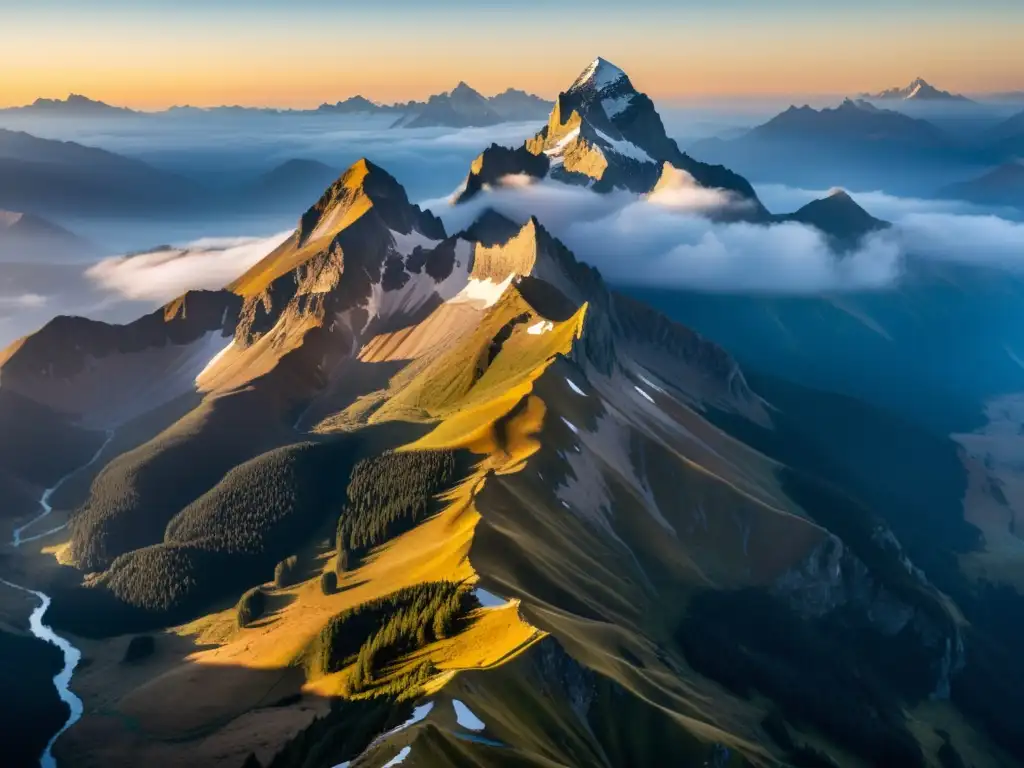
<point x="598" y="76"/>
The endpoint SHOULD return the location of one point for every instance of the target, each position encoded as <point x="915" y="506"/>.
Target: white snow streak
<point x="625" y="148"/>
<point x="559" y="148"/>
<point x="574" y="388"/>
<point x="650" y="383"/>
<point x="648" y="397"/>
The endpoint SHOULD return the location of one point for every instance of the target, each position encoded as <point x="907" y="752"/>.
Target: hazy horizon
<point x="151" y="54"/>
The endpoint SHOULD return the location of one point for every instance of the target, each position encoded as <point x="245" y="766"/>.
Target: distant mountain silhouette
<point x="74" y="105"/>
<point x="26" y="237"/>
<point x="353" y="106"/>
<point x="855" y="144"/>
<point x="459" y="108"/>
<point x="852" y="121"/>
<point x="1003" y="185"/>
<point x="1009" y="129"/>
<point x="45" y="176"/>
<point x="293" y="182"/>
<point x="465" y="107"/>
<point x="515" y="105"/>
<point x="919" y="89"/>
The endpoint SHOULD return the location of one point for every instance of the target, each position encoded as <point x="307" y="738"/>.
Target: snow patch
<point x="214" y="360"/>
<point x="599" y="75"/>
<point x="466" y="718"/>
<point x="541" y="326"/>
<point x="420" y="288"/>
<point x="625" y="148"/>
<point x="570" y="425"/>
<point x="406" y="244"/>
<point x="484" y="293"/>
<point x="399" y="758"/>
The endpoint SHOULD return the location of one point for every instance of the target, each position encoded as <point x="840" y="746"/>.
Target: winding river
<point x="71" y="654"/>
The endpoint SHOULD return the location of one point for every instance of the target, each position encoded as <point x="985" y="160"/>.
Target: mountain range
<point x="399" y="495"/>
<point x="855" y="144"/>
<point x="461" y="107"/>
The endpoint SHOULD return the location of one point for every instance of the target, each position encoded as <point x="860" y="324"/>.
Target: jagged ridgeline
<point x="496" y="513"/>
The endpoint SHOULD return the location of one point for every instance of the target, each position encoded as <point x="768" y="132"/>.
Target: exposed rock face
<point x="567" y="677"/>
<point x="833" y="580"/>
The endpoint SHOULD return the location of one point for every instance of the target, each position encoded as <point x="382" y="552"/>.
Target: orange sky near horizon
<point x="150" y="62"/>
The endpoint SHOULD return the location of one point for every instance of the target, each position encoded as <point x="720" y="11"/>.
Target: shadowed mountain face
<point x="476" y="507"/>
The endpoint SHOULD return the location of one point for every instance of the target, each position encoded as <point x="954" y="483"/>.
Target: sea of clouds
<point x="667" y="240"/>
<point x="161" y="275"/>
